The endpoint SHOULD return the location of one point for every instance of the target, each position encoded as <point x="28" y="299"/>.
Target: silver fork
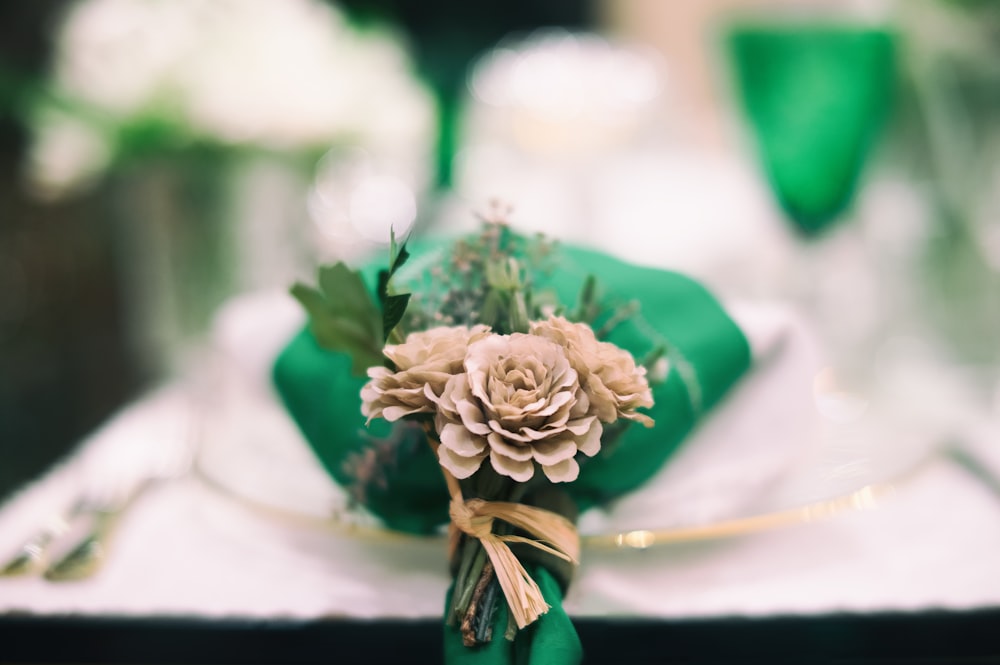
<point x="132" y="459"/>
<point x="90" y="513"/>
<point x="32" y="557"/>
<point x="94" y="526"/>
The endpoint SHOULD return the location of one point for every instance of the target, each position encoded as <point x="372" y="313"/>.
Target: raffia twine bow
<point x="551" y="533"/>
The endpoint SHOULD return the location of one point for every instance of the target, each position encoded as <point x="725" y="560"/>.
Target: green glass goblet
<point x="816" y="96"/>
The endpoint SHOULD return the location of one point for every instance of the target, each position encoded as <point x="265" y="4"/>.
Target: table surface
<point x="916" y="581"/>
<point x="196" y="576"/>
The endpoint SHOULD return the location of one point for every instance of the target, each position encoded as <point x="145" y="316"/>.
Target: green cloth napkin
<point x="551" y="640"/>
<point x="816" y="97"/>
<point x="708" y="353"/>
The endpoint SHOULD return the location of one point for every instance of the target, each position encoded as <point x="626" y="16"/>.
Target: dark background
<point x="64" y="366"/>
<point x="62" y="362"/>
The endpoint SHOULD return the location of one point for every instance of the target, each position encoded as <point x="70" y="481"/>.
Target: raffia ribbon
<point x="551" y="533"/>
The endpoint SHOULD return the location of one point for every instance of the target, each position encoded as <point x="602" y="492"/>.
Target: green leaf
<point x="383" y="287"/>
<point x="494" y="311"/>
<point x="344" y="289"/>
<point x="393" y="306"/>
<point x="343" y="316"/>
<point x="311" y="299"/>
<point x="399" y="259"/>
<point x="588" y="308"/>
<point x="518" y="312"/>
<point x="393" y="247"/>
<point x="398" y="254"/>
<point x="393" y="309"/>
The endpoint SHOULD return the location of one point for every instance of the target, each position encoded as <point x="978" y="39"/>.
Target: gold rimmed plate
<point x="766" y="459"/>
<point x="787" y="446"/>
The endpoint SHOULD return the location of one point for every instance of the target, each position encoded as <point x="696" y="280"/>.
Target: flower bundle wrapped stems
<point x="475" y="591"/>
<point x="485" y="569"/>
<point x="511" y="405"/>
<point x="521" y="396"/>
<point x="507" y="414"/>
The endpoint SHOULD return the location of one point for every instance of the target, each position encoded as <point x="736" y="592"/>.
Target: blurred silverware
<point x="91" y="509"/>
<point x="168" y="459"/>
<point x="90" y="529"/>
<point x="153" y="443"/>
<point x="32" y="557"/>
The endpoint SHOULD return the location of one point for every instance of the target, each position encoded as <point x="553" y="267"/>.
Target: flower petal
<point x="395" y="412"/>
<point x="457" y="438"/>
<point x="556" y="402"/>
<point x="563" y="472"/>
<point x="499" y="429"/>
<point x="505" y="466"/>
<point x="508" y="449"/>
<point x="553" y="451"/>
<point x="581" y="426"/>
<point x="458" y="466"/>
<point x="472" y="417"/>
<point x="590" y="443"/>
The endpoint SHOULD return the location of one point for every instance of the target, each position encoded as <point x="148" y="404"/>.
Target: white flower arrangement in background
<point x="249" y="138"/>
<point x="289" y="75"/>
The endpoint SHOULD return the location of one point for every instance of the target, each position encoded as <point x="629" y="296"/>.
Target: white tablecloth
<point x="184" y="548"/>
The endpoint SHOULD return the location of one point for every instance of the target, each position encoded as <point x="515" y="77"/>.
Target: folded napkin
<point x="707" y="352"/>
<point x="550" y="640"/>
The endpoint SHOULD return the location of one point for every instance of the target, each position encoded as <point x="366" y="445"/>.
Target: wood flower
<point x="519" y="402"/>
<point x="424" y="363"/>
<point x="608" y="373"/>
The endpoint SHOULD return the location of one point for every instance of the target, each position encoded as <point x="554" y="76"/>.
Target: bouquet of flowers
<point x="501" y="395"/>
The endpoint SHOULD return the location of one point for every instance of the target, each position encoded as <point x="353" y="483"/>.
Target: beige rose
<point x="424" y="363"/>
<point x="615" y="385"/>
<point x="519" y="403"/>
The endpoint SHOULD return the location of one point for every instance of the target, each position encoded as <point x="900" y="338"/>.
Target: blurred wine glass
<point x="815" y="95"/>
<point x="816" y="90"/>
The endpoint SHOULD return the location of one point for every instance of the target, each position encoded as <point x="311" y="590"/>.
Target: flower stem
<point x="469" y="572"/>
<point x="477" y="623"/>
<point x="484" y="632"/>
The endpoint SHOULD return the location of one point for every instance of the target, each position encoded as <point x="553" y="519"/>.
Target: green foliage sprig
<point x="393" y="304"/>
<point x="343" y="316"/>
